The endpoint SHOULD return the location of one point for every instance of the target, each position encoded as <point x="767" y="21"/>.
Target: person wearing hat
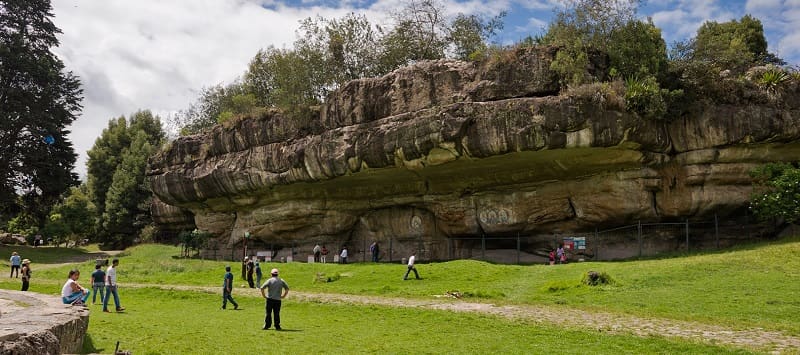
<point x="26" y="274"/>
<point x="16" y="262"/>
<point x="277" y="289"/>
<point x="227" y="288"/>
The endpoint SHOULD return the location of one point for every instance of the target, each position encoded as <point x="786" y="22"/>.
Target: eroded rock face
<point x="452" y="149"/>
<point x="40" y="324"/>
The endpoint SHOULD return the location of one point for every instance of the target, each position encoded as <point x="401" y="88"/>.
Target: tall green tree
<point x="38" y="101"/>
<point x="72" y="219"/>
<point x="736" y="45"/>
<point x="583" y="27"/>
<point x="116" y="169"/>
<point x="469" y="35"/>
<point x="128" y="200"/>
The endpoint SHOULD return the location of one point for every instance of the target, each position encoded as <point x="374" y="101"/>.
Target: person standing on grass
<point x="343" y="255"/>
<point x="375" y="250"/>
<point x="16" y="263"/>
<point x="26" y="274"/>
<point x="250" y="271"/>
<point x="559" y="253"/>
<point x="259" y="274"/>
<point x="277" y="289"/>
<point x="111" y="286"/>
<point x="72" y="292"/>
<point x="411" y="267"/>
<point x="324" y="254"/>
<point x="227" y="288"/>
<point x="98" y="283"/>
<point x="317" y="252"/>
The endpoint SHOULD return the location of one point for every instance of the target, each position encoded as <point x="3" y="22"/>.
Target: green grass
<point x="183" y="322"/>
<point x="753" y="286"/>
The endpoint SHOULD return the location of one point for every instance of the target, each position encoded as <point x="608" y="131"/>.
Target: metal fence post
<point x="716" y="229"/>
<point x="596" y="243"/>
<point x="483" y="246"/>
<point x="687" y="234"/>
<point x="639" y="236"/>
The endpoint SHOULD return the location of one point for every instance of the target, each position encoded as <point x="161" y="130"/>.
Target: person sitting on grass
<point x="72" y="292"/>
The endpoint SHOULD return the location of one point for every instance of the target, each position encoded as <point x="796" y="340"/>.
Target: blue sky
<point x="157" y="54"/>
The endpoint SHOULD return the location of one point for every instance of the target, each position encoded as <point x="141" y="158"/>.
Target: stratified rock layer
<point x="32" y="323"/>
<point x="448" y="149"/>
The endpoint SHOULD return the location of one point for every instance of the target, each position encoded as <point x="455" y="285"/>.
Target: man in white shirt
<point x="411" y="267"/>
<point x="111" y="286"/>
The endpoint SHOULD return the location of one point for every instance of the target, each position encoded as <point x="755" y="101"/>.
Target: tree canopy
<point x="116" y="170"/>
<point x="38" y="101"/>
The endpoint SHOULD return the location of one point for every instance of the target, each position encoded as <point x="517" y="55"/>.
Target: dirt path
<point x="612" y="323"/>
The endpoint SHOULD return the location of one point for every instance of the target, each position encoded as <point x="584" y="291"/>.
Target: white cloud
<point x="151" y="54"/>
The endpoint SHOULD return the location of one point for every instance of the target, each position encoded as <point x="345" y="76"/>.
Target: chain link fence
<point x="623" y="242"/>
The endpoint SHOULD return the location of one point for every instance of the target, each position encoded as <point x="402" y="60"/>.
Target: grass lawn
<point x="754" y="286"/>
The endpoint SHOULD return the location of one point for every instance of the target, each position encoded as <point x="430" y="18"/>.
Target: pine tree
<point x="38" y="101"/>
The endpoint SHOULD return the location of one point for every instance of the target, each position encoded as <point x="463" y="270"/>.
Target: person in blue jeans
<point x="227" y="288"/>
<point x="259" y="274"/>
<point x="72" y="292"/>
<point x="98" y="283"/>
<point x="111" y="286"/>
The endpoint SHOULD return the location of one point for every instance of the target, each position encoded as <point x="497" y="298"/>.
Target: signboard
<point x="580" y="242"/>
<point x="569" y="243"/>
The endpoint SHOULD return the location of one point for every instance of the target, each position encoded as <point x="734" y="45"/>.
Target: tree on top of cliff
<point x="38" y="101"/>
<point x="330" y="52"/>
<point x="116" y="169"/>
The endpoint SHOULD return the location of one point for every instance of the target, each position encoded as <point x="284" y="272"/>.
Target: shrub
<point x="594" y="278"/>
<point x="644" y="96"/>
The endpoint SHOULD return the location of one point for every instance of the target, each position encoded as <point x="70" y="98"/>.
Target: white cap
<point x="274" y="271"/>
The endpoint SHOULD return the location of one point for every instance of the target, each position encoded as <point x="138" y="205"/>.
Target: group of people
<point x="251" y="267"/>
<point x="320" y="253"/>
<point x="21" y="266"/>
<point x="274" y="290"/>
<point x="72" y="292"/>
<point x="558" y="256"/>
<point x="75" y="294"/>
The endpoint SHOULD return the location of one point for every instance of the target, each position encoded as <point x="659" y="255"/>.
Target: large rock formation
<point x="34" y="323"/>
<point x="448" y="149"/>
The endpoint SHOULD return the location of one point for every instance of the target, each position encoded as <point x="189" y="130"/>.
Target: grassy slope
<point x="754" y="286"/>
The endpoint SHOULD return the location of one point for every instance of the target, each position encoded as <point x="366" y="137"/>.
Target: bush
<point x="594" y="278"/>
<point x="645" y="97"/>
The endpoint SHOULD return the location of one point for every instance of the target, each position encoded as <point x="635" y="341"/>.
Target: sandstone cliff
<point x="447" y="149"/>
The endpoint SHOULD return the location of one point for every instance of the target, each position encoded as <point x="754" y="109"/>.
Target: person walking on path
<point x="111" y="286"/>
<point x="277" y="289"/>
<point x="227" y="288"/>
<point x="98" y="283"/>
<point x="259" y="274"/>
<point x="375" y="250"/>
<point x="324" y="254"/>
<point x="250" y="270"/>
<point x="72" y="292"/>
<point x="411" y="267"/>
<point x="317" y="252"/>
<point x="26" y="274"/>
<point x="559" y="253"/>
<point x="16" y="263"/>
<point x="343" y="255"/>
